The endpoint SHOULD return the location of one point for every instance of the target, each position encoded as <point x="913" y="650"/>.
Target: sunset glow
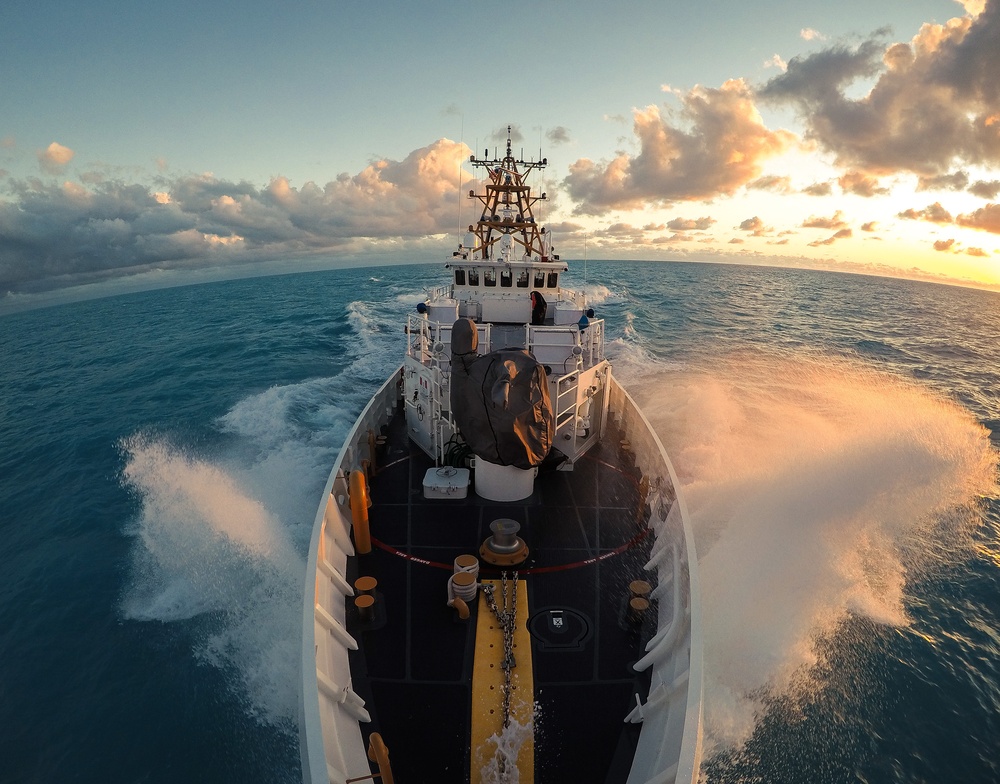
<point x="857" y="138"/>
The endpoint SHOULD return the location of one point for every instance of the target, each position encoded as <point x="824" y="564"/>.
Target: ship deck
<point x="587" y="535"/>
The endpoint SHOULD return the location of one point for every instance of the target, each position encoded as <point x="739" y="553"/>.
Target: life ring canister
<point x="359" y="512"/>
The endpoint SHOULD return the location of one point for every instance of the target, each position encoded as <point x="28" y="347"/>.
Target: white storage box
<point x="443" y="311"/>
<point x="565" y="313"/>
<point x="446" y="482"/>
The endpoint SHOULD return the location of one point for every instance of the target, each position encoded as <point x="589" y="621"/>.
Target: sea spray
<point x="205" y="545"/>
<point x="220" y="539"/>
<point x="817" y="489"/>
<point x="502" y="764"/>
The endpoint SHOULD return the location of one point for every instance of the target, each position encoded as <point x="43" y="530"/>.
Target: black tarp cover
<point x="500" y="401"/>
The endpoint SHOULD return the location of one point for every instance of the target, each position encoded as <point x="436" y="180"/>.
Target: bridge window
<point x="522" y="279"/>
<point x="506" y="278"/>
<point x="473" y="277"/>
<point x="553" y="280"/>
<point x="539" y="279"/>
<point x="490" y="277"/>
<point x="460" y="277"/>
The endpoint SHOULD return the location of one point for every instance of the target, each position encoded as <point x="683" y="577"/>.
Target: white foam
<point x="502" y="767"/>
<point x="816" y="488"/>
<point x="207" y="546"/>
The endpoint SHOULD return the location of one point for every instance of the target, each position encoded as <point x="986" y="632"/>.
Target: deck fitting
<point x="504" y="547"/>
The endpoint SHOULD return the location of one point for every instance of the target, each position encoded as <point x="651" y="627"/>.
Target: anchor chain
<point x="506" y="618"/>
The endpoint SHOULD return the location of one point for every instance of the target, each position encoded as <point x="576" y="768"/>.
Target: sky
<point x="152" y="142"/>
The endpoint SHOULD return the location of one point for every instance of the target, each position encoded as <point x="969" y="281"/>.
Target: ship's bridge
<point x="515" y="292"/>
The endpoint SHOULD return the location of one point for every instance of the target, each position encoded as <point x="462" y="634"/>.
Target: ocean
<point x="164" y="452"/>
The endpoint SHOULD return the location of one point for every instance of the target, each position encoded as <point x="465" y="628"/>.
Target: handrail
<point x="319" y="757"/>
<point x="682" y="677"/>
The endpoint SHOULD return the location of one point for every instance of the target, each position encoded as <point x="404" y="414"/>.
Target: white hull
<point x="332" y="715"/>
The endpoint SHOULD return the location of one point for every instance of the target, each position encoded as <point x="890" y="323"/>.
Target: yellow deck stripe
<point x="487" y="688"/>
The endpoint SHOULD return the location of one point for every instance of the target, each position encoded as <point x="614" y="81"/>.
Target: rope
<point x="466" y="593"/>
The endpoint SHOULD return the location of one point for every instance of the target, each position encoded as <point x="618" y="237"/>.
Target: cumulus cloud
<point x="944" y="245"/>
<point x="956" y="181"/>
<point x="818" y="189"/>
<point x="985" y="189"/>
<point x="690" y="224"/>
<point x="836" y="221"/>
<point x="755" y="226"/>
<point x="776" y="62"/>
<point x="54" y="158"/>
<point x="51" y="229"/>
<point x="933" y="213"/>
<point x="860" y="184"/>
<point x="934" y="101"/>
<point x="720" y="148"/>
<point x="984" y="219"/>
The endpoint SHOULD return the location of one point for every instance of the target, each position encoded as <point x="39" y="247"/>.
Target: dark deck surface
<point x="414" y="665"/>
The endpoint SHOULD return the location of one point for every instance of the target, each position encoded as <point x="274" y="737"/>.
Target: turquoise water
<point x="164" y="452"/>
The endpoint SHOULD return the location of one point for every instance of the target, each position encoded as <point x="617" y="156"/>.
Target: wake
<point x="817" y="489"/>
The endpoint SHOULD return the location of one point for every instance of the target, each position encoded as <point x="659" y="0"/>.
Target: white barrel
<point x="503" y="483"/>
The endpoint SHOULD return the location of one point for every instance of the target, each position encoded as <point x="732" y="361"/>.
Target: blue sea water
<point x="163" y="454"/>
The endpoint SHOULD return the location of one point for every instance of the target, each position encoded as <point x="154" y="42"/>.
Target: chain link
<point x="507" y="620"/>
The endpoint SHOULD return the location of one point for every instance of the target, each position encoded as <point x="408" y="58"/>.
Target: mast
<point x="508" y="208"/>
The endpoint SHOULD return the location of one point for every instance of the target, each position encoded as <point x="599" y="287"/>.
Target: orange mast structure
<point x="507" y="207"/>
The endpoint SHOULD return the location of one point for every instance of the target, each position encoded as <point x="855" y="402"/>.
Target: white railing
<point x="331" y="743"/>
<point x="670" y="740"/>
<point x="423" y="335"/>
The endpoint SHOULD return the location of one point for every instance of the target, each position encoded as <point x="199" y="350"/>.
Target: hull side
<point x="666" y="682"/>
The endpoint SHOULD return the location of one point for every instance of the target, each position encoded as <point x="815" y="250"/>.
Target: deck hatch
<point x="560" y="629"/>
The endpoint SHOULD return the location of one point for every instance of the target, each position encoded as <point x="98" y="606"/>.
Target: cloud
<point x="984" y="219"/>
<point x="944" y="245"/>
<point x="818" y="189"/>
<point x="840" y="235"/>
<point x="690" y="224"/>
<point x="557" y="135"/>
<point x="755" y="226"/>
<point x="933" y="213"/>
<point x="860" y="184"/>
<point x="985" y="189"/>
<point x="973" y="7"/>
<point x="808" y="34"/>
<point x="499" y="135"/>
<point x="776" y="62"/>
<point x="771" y="183"/>
<point x="50" y="229"/>
<point x="834" y="222"/>
<point x="934" y="101"/>
<point x="54" y="158"/>
<point x="956" y="181"/>
<point x="721" y="149"/>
